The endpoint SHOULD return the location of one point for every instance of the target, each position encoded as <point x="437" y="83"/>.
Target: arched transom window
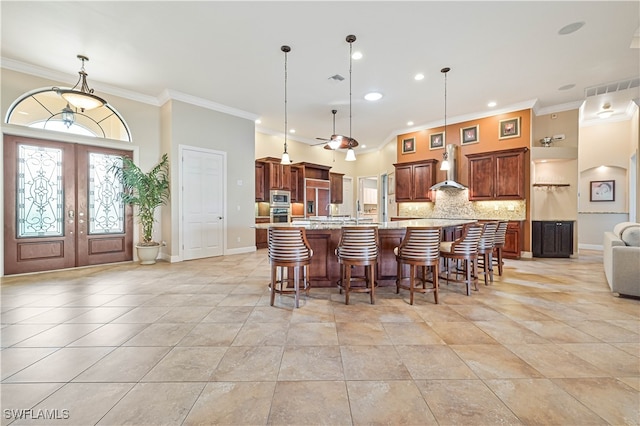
<point x="46" y="109"/>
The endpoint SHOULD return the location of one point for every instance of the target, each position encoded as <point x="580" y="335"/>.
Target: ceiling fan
<point x="337" y="141"/>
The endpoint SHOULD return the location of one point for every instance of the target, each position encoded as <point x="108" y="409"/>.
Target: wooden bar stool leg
<point x="347" y="283"/>
<point x="490" y="263"/>
<point x="296" y="285"/>
<point x="272" y="284"/>
<point x="398" y="276"/>
<point x="434" y="274"/>
<point x="412" y="274"/>
<point x="373" y="283"/>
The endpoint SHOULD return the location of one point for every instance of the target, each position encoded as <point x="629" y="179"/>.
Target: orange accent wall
<point x="488" y="142"/>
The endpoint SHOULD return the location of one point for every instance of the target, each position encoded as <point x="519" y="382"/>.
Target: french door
<point x="62" y="206"/>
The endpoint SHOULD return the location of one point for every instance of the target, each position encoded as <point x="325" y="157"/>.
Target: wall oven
<point x="280" y="214"/>
<point x="278" y="198"/>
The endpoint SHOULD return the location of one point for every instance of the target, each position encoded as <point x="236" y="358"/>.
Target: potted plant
<point x="147" y="191"/>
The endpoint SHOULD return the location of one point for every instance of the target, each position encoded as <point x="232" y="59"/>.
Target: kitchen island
<point x="324" y="236"/>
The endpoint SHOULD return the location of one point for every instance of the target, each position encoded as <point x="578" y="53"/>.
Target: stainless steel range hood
<point x="452" y="173"/>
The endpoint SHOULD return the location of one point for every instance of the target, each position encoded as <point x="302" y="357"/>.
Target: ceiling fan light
<point x="285" y="159"/>
<point x="351" y="155"/>
<point x="335" y="142"/>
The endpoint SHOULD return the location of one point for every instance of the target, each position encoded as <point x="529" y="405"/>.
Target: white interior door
<point x="203" y="177"/>
<point x="346" y="208"/>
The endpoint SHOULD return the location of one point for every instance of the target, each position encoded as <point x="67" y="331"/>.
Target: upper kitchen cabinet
<point x="297" y="185"/>
<point x="335" y="181"/>
<point x="497" y="175"/>
<point x="414" y="179"/>
<point x="277" y="176"/>
<point x="261" y="193"/>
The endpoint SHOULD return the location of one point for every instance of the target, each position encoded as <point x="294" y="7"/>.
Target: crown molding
<point x="169" y="94"/>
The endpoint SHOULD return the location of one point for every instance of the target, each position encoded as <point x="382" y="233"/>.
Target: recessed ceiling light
<point x="373" y="96"/>
<point x="571" y="28"/>
<point x="356" y="55"/>
<point x="409" y="123"/>
<point x="567" y="87"/>
<point x="492" y="104"/>
<point x="362" y="146"/>
<point x="292" y="131"/>
<point x="418" y="77"/>
<point x="258" y="121"/>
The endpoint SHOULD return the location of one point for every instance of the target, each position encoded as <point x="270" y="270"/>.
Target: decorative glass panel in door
<point x="106" y="209"/>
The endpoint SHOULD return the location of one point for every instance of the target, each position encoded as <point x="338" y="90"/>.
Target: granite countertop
<point x="400" y="224"/>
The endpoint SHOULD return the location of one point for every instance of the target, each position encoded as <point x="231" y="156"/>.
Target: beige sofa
<point x="621" y="257"/>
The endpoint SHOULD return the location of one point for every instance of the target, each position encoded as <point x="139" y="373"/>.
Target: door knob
<point x="72" y="214"/>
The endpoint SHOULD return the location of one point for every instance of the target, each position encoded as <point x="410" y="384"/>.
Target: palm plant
<point x="147" y="191"/>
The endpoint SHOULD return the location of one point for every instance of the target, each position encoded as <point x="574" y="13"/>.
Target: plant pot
<point x="147" y="254"/>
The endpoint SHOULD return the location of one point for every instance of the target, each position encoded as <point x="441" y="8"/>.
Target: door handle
<point x="220" y="217"/>
<point x="72" y="214"/>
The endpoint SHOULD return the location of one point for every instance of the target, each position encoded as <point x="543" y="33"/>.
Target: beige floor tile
<point x="388" y="403"/>
<point x="359" y="333"/>
<point x="100" y="315"/>
<point x="632" y="348"/>
<point x="551" y="406"/>
<point x="311" y="363"/>
<point x="606" y="357"/>
<point x="438" y="313"/>
<point x="509" y="331"/>
<point x="310" y="333"/>
<point x="240" y="300"/>
<point x="186" y="365"/>
<point x="633" y="382"/>
<point x="154" y="404"/>
<point x="520" y="312"/>
<point x="13" y="316"/>
<point x="310" y="403"/>
<point x="611" y="399"/>
<point x="13" y="360"/>
<point x="228" y="314"/>
<point x="61" y="366"/>
<point x="262" y="334"/>
<point x="16" y="397"/>
<point x="80" y="403"/>
<point x="313" y="312"/>
<point x="124" y="364"/>
<point x="605" y="331"/>
<point x="465" y="402"/>
<point x="58" y="336"/>
<point x="15" y="333"/>
<point x="110" y="335"/>
<point x="185" y="314"/>
<point x="143" y="314"/>
<point x="558" y="332"/>
<point x="478" y="313"/>
<point x="232" y="403"/>
<point x="249" y="364"/>
<point x="414" y="333"/>
<point x="373" y="363"/>
<point x="434" y="362"/>
<point x="454" y="333"/>
<point x="554" y="361"/>
<point x="270" y="314"/>
<point x="160" y="335"/>
<point x="494" y="362"/>
<point x="211" y="334"/>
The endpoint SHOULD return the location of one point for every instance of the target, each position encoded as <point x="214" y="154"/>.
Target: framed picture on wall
<point x="436" y="140"/>
<point x="509" y="128"/>
<point x="602" y="190"/>
<point x="469" y="135"/>
<point x="408" y="145"/>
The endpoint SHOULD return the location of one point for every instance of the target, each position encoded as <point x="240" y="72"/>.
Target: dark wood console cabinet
<point x="552" y="238"/>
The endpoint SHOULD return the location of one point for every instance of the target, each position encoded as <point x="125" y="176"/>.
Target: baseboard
<point x="526" y="254"/>
<point x="240" y="250"/>
<point x="590" y="247"/>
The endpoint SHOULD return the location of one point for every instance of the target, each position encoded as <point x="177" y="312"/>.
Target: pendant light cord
<point x="285" y="49"/>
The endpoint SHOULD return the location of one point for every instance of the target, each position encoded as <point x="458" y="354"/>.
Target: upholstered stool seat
<point x="420" y="248"/>
<point x="464" y="250"/>
<point x="289" y="254"/>
<point x="358" y="246"/>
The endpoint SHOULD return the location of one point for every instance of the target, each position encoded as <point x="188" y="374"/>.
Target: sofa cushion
<point x="619" y="228"/>
<point x="631" y="236"/>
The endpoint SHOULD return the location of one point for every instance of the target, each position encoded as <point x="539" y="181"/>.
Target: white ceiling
<point x="228" y="54"/>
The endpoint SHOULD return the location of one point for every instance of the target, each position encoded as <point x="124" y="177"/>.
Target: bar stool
<point x="289" y="248"/>
<point x="358" y="247"/>
<point x="420" y="247"/>
<point x="498" y="244"/>
<point x="463" y="249"/>
<point x="485" y="250"/>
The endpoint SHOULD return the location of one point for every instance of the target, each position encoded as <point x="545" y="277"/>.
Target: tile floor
<point x="197" y="343"/>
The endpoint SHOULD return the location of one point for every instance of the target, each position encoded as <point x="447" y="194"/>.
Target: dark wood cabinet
<point x="413" y="180"/>
<point x="261" y="193"/>
<point x="276" y="175"/>
<point x="297" y="196"/>
<point x="261" y="234"/>
<point x="497" y="175"/>
<point x="335" y="182"/>
<point x="552" y="238"/>
<point x="513" y="240"/>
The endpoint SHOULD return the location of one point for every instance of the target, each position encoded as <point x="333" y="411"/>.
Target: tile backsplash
<point x="454" y="203"/>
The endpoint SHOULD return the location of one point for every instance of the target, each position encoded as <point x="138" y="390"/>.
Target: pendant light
<point x="68" y="116"/>
<point x="285" y="155"/>
<point x="83" y="98"/>
<point x="445" y="157"/>
<point x="351" y="154"/>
